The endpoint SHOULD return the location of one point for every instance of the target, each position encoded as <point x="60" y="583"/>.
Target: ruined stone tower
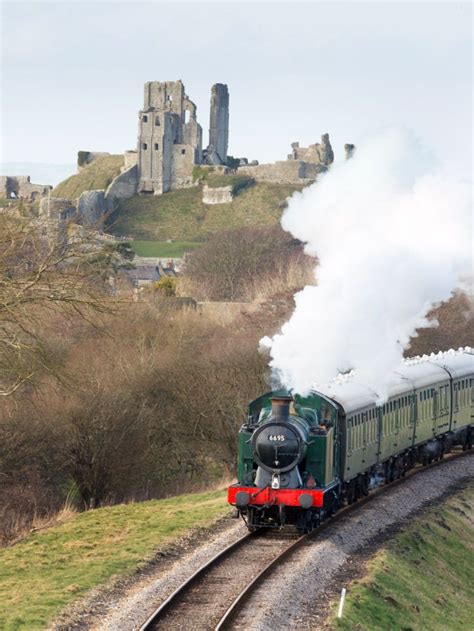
<point x="169" y="140"/>
<point x="219" y="120"/>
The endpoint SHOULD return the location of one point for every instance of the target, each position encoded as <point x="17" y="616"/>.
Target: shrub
<point x="233" y="264"/>
<point x="166" y="286"/>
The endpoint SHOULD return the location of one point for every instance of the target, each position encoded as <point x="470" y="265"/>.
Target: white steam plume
<point x="392" y="237"/>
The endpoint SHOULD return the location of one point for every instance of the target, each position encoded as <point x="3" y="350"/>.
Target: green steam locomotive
<point x="302" y="457"/>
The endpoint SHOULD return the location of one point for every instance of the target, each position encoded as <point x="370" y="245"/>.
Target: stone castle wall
<point x="130" y="159"/>
<point x="123" y="186"/>
<point x="91" y="208"/>
<point x="283" y="172"/>
<point x="21" y="187"/>
<point x="220" y="195"/>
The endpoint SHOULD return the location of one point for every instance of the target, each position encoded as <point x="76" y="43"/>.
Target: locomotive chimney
<point x="281" y="408"/>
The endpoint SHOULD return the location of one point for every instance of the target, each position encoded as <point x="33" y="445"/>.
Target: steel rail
<point x="193" y="578"/>
<point x="248" y="590"/>
<point x="245" y="594"/>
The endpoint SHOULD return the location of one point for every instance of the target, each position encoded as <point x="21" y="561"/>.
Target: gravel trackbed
<point x="289" y="598"/>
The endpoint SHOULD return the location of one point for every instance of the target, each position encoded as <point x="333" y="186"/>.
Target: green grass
<point x="181" y="215"/>
<point x="423" y="579"/>
<point x="95" y="176"/>
<point x="49" y="569"/>
<point x="162" y="249"/>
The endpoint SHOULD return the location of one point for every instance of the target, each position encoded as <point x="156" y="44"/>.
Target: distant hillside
<point x="97" y="175"/>
<point x="181" y="214"/>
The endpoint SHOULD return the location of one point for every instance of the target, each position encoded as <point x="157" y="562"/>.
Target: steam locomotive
<point x="301" y="457"/>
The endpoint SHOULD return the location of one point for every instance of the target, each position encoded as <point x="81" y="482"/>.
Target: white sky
<point x="73" y="73"/>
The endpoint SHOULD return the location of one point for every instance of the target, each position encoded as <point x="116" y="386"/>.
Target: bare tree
<point x="39" y="280"/>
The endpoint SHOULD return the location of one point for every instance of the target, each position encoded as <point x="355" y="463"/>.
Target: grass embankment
<point x="95" y="176"/>
<point x="181" y="215"/>
<point x="49" y="569"/>
<point x="162" y="249"/>
<point x="423" y="579"/>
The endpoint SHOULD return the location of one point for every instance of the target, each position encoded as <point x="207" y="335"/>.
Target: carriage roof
<point x="413" y="373"/>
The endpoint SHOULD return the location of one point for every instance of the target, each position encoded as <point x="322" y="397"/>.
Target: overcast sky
<point x="73" y="73"/>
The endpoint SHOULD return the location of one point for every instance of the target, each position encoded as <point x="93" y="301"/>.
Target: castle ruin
<point x="219" y="123"/>
<point x="21" y="187"/>
<point x="170" y="138"/>
<point x="169" y="147"/>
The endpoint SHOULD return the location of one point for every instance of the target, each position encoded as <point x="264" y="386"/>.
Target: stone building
<point x="170" y="138"/>
<point x="21" y="187"/>
<point x="319" y="153"/>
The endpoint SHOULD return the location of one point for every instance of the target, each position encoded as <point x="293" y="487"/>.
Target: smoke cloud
<point x="393" y="236"/>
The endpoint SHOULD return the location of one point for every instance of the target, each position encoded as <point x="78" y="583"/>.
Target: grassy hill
<point x="42" y="574"/>
<point x="96" y="175"/>
<point x="181" y="215"/>
<point x="423" y="579"/>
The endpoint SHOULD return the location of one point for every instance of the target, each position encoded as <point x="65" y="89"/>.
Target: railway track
<point x="213" y="596"/>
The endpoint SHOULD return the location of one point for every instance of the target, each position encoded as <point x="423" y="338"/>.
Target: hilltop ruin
<point x="169" y="155"/>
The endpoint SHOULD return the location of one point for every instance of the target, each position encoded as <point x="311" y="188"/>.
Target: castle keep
<point x="170" y="138"/>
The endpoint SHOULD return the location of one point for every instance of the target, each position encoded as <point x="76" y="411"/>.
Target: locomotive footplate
<point x="242" y="496"/>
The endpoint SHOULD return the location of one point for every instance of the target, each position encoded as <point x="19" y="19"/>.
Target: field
<point x="181" y="215"/>
<point x="49" y="569"/>
<point x="95" y="176"/>
<point x="423" y="579"/>
<point x="162" y="249"/>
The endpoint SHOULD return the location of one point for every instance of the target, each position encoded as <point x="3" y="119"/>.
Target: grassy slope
<point x="424" y="579"/>
<point x="49" y="569"/>
<point x="181" y="214"/>
<point x="95" y="176"/>
<point x="176" y="249"/>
